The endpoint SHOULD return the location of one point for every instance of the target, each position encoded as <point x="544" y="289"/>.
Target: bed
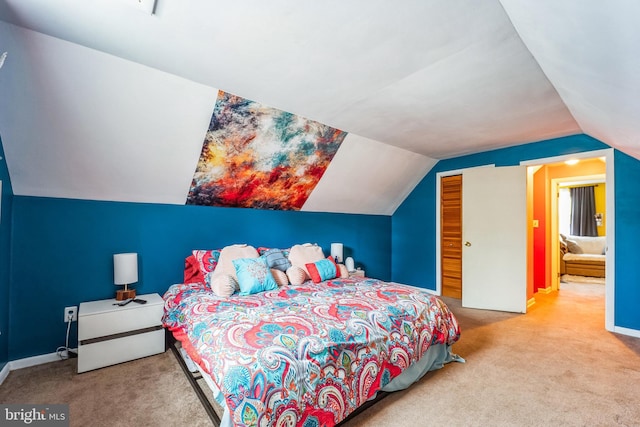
<point x="309" y="354"/>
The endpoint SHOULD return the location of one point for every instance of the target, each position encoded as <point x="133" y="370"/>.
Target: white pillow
<point x="299" y="255"/>
<point x="228" y="254"/>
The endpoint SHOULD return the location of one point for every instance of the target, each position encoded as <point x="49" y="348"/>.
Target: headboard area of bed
<point x="220" y="268"/>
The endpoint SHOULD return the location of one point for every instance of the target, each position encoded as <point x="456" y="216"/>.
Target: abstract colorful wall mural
<point x="260" y="157"/>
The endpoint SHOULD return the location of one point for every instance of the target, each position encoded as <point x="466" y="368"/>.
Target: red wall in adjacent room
<point x="539" y="233"/>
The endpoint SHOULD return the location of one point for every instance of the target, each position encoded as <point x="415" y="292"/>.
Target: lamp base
<point x="125" y="294"/>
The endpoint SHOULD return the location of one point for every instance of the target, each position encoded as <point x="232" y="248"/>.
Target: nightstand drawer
<point x="114" y="322"/>
<point x="111" y="352"/>
<point x="101" y="318"/>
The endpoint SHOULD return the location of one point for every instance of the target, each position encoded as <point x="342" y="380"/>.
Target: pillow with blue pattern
<point x="254" y="275"/>
<point x="325" y="269"/>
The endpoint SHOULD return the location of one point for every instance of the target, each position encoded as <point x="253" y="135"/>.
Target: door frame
<point x="554" y="220"/>
<point x="439" y="177"/>
<point x="608" y="153"/>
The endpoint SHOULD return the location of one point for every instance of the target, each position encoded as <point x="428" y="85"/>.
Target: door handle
<point x="467" y="243"/>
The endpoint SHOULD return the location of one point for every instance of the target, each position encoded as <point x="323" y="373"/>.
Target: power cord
<point x="64" y="352"/>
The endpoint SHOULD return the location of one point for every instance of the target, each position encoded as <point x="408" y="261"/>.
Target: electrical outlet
<point x="71" y="312"/>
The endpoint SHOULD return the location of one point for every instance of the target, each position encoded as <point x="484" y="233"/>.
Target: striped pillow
<point x="280" y="277"/>
<point x="343" y="272"/>
<point x="223" y="285"/>
<point x="296" y="275"/>
<point x="325" y="269"/>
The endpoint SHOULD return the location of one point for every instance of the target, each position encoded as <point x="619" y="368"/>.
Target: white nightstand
<point x="110" y="334"/>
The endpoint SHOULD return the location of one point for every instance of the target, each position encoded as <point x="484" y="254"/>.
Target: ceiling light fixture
<point x="572" y="162"/>
<point x="2" y="58"/>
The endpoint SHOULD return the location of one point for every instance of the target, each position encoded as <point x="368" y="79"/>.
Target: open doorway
<point x="551" y="218"/>
<point x="569" y="222"/>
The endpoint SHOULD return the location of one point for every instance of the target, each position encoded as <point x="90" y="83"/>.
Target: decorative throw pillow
<point x="280" y="277"/>
<point x="199" y="264"/>
<point x="325" y="269"/>
<point x="276" y="259"/>
<point x="223" y="285"/>
<point x="573" y="247"/>
<point x="296" y="275"/>
<point x="192" y="273"/>
<point x="230" y="253"/>
<point x="301" y="255"/>
<point x="344" y="273"/>
<point x="563" y="248"/>
<point x="254" y="275"/>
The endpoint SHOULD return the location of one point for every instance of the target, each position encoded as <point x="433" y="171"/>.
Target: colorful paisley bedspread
<point x="306" y="355"/>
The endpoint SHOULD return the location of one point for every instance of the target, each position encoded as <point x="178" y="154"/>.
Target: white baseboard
<point x="545" y="290"/>
<point x="30" y="361"/>
<point x="4" y="373"/>
<point x="626" y="331"/>
<point x="33" y="361"/>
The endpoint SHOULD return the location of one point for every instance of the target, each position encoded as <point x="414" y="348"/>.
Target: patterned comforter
<point x="306" y="355"/>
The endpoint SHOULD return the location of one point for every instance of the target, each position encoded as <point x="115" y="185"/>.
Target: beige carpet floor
<point x="554" y="366"/>
<point x="146" y="392"/>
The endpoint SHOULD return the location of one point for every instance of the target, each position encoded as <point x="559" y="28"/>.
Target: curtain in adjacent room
<point x="583" y="210"/>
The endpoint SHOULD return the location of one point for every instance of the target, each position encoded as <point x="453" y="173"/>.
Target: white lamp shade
<point x="125" y="268"/>
<point x="337" y="251"/>
<point x="350" y="264"/>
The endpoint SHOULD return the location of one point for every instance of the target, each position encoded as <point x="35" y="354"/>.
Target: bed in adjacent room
<point x="308" y="353"/>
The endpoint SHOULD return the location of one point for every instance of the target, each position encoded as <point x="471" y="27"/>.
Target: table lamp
<point x="337" y="251"/>
<point x="125" y="272"/>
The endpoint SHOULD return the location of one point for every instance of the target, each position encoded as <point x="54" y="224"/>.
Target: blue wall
<point x="413" y="238"/>
<point x="5" y="257"/>
<point x="63" y="252"/>
<point x="627" y="269"/>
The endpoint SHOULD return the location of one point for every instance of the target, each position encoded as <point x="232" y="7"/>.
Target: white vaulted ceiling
<point x="102" y="101"/>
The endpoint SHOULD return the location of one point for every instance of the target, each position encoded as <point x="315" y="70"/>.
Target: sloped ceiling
<point x="102" y="101"/>
<point x="589" y="51"/>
